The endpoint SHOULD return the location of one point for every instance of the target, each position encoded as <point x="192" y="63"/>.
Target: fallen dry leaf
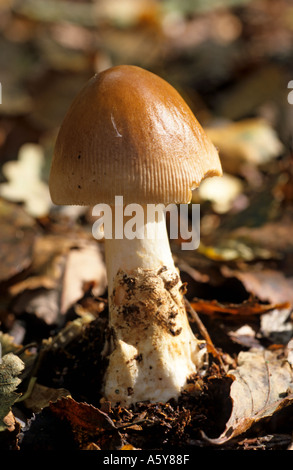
<point x="246" y="308"/>
<point x="61" y="269"/>
<point x="87" y="422"/>
<point x="83" y="265"/>
<point x="267" y="284"/>
<point x="41" y="396"/>
<point x="262" y="385"/>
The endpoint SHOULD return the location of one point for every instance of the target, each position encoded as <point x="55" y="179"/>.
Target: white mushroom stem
<point x="153" y="349"/>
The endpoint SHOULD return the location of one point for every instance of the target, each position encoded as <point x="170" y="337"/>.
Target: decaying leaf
<point x="81" y="415"/>
<point x="262" y="385"/>
<point x="61" y="269"/>
<point x="88" y="423"/>
<point x="41" y="396"/>
<point x="11" y="367"/>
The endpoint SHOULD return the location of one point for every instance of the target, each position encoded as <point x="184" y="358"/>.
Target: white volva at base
<point x="153" y="350"/>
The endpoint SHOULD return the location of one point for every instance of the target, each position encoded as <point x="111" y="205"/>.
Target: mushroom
<point x="129" y="133"/>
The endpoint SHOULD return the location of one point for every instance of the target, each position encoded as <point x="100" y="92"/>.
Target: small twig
<point x="203" y="331"/>
<point x="128" y="425"/>
<point x="24" y="348"/>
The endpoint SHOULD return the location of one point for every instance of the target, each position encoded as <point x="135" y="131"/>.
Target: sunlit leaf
<point x="24" y="183"/>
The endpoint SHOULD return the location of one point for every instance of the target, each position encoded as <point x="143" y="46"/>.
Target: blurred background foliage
<point x="230" y="59"/>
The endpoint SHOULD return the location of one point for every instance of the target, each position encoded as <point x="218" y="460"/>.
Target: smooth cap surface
<point x="129" y="133"/>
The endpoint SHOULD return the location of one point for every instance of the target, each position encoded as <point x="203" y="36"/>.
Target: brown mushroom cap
<point x="129" y="133"/>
